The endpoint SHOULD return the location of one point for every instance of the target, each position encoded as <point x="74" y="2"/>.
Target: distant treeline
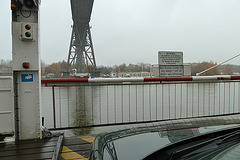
<point x="59" y="67"/>
<point x="226" y="69"/>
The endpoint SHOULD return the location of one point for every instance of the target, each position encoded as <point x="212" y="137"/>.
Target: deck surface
<point x="77" y="147"/>
<point x="27" y="150"/>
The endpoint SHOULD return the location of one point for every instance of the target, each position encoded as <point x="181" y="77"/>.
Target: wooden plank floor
<point x="77" y="147"/>
<point x="28" y="150"/>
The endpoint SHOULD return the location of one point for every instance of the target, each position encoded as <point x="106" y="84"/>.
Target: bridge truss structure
<point x="81" y="53"/>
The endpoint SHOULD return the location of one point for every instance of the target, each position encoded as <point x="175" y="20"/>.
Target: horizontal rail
<point x="5" y="89"/>
<point x="5" y="112"/>
<point x="138" y="122"/>
<point x="141" y="79"/>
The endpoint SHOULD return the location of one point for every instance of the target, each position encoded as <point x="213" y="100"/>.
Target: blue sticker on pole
<point x="27" y="77"/>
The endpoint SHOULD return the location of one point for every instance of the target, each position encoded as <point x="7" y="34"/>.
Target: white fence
<point x="6" y="105"/>
<point x="98" y="104"/>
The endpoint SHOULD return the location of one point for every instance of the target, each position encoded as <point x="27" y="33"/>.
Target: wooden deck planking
<point x="76" y="147"/>
<point x="27" y="150"/>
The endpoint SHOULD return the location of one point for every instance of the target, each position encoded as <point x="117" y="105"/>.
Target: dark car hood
<point x="138" y="142"/>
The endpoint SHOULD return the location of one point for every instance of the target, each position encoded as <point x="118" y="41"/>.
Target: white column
<point x="26" y="68"/>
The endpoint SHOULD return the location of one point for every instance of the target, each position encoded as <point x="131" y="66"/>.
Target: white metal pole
<point x="26" y="69"/>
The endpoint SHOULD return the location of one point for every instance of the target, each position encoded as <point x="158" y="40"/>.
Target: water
<point x="104" y="104"/>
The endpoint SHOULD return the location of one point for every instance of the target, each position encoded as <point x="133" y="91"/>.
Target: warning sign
<point x="171" y="71"/>
<point x="170" y="58"/>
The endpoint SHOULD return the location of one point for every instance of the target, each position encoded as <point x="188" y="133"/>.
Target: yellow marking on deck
<point x="89" y="139"/>
<point x="68" y="154"/>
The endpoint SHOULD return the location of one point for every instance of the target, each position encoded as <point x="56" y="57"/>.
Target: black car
<point x="210" y="138"/>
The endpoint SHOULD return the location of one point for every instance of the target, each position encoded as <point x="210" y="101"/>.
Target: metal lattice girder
<point x="81" y="10"/>
<point x="81" y="53"/>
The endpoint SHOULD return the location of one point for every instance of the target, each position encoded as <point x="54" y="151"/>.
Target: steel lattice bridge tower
<point x="81" y="54"/>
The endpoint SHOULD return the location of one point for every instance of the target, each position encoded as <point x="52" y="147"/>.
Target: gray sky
<point x="132" y="31"/>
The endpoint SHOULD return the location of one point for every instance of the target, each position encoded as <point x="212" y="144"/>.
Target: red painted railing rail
<point x="140" y="79"/>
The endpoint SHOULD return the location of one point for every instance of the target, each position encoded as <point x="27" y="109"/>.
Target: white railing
<point x="6" y="106"/>
<point x="98" y="104"/>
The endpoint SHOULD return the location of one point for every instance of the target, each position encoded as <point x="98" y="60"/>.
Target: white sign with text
<point x="171" y="71"/>
<point x="170" y="58"/>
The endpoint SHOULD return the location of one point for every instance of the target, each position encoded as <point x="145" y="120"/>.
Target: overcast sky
<point x="132" y="31"/>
